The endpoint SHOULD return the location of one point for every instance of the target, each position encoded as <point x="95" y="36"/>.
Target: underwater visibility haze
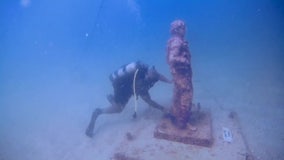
<point x="56" y="58"/>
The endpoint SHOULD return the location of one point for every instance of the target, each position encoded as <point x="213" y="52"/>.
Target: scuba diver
<point x="136" y="79"/>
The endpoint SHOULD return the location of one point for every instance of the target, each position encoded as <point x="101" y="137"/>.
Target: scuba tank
<point x="127" y="70"/>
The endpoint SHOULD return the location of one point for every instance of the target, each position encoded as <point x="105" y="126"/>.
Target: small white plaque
<point x="227" y="135"/>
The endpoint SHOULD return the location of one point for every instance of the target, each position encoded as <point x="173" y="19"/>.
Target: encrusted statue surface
<point x="179" y="60"/>
<point x="186" y="124"/>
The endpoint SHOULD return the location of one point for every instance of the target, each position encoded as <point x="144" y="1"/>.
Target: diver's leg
<point x="114" y="108"/>
<point x="90" y="129"/>
<point x="110" y="98"/>
<point x="118" y="102"/>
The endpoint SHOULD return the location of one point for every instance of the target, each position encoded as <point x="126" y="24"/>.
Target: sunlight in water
<point x="135" y="8"/>
<point x="25" y="3"/>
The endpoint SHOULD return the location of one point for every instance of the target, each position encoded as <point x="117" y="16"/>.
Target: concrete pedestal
<point x="198" y="132"/>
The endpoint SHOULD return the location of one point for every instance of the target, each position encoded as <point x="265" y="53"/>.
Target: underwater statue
<point x="186" y="123"/>
<point x="136" y="79"/>
<point x="179" y="60"/>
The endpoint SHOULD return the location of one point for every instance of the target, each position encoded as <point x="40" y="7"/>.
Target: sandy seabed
<point x="255" y="93"/>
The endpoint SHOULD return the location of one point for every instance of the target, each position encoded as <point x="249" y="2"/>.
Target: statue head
<point x="178" y="28"/>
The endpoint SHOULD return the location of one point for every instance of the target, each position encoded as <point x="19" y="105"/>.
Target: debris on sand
<point x="129" y="136"/>
<point x="122" y="156"/>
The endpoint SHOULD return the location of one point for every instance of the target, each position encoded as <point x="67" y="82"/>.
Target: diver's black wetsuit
<point x="122" y="82"/>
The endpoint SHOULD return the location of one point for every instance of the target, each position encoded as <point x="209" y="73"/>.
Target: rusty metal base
<point x="198" y="132"/>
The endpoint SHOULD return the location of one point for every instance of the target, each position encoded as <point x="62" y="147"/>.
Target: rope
<point x="134" y="93"/>
<point x="94" y="26"/>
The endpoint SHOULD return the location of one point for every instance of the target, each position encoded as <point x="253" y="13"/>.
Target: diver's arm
<point x="164" y="79"/>
<point x="147" y="98"/>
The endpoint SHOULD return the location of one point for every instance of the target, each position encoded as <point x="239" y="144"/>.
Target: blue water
<point x="55" y="58"/>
